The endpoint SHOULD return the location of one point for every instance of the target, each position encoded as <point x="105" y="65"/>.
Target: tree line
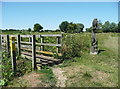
<point x="106" y="27"/>
<point x="70" y="27"/>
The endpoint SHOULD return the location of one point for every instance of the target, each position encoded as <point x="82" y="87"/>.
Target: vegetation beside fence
<point x="82" y="67"/>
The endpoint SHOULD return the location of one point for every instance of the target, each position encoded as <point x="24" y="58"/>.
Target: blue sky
<point x="22" y="15"/>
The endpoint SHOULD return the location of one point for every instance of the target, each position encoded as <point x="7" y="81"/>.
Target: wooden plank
<point x="3" y="43"/>
<point x="41" y="56"/>
<point x="48" y="44"/>
<point x="43" y="52"/>
<point x="13" y="35"/>
<point x="3" y="35"/>
<point x="42" y="46"/>
<point x="18" y="44"/>
<point x="0" y="45"/>
<point x="33" y="53"/>
<point x="23" y="42"/>
<point x="25" y="35"/>
<point x="8" y="45"/>
<point x="26" y="46"/>
<point x="51" y="35"/>
<point x="13" y="55"/>
<point x="37" y="36"/>
<point x="58" y="42"/>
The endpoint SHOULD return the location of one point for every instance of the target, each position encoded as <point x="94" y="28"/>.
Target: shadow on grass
<point x="100" y="51"/>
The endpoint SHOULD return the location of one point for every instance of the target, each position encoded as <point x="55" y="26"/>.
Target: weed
<point x="48" y="78"/>
<point x="87" y="75"/>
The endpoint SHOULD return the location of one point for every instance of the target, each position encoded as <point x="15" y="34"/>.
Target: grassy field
<point x="85" y="70"/>
<point x="95" y="70"/>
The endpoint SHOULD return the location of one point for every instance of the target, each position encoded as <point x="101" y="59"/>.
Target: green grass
<point x="85" y="70"/>
<point x="48" y="78"/>
<point x="94" y="70"/>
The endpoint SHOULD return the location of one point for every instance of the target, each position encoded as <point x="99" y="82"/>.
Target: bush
<point x="75" y="44"/>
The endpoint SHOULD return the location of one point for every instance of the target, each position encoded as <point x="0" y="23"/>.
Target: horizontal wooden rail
<point x="23" y="42"/>
<point x="48" y="44"/>
<point x="26" y="36"/>
<point x="52" y="35"/>
<point x="44" y="52"/>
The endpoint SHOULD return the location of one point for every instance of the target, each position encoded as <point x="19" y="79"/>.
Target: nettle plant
<point x="71" y="47"/>
<point x="74" y="45"/>
<point x="6" y="66"/>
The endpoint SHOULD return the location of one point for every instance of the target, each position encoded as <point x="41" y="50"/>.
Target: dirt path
<point x="28" y="80"/>
<point x="58" y="72"/>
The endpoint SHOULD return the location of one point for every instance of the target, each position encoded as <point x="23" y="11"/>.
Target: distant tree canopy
<point x="37" y="27"/>
<point x="29" y="29"/>
<point x="106" y="27"/>
<point x="71" y="27"/>
<point x="119" y="27"/>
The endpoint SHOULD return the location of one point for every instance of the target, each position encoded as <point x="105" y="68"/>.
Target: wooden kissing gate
<point x="30" y="48"/>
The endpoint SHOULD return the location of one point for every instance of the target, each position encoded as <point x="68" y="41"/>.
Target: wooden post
<point x="13" y="56"/>
<point x="0" y="43"/>
<point x="58" y="42"/>
<point x="18" y="44"/>
<point x="0" y="56"/>
<point x="30" y="39"/>
<point x="42" y="41"/>
<point x="8" y="45"/>
<point x="33" y="53"/>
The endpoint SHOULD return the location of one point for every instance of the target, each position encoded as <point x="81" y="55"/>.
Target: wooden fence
<point x="30" y="47"/>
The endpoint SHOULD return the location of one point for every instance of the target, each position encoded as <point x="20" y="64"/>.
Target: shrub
<point x="74" y="45"/>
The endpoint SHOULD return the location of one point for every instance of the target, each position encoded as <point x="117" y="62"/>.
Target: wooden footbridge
<point x="31" y="48"/>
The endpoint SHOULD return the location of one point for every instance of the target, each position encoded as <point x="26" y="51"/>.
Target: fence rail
<point x="31" y="45"/>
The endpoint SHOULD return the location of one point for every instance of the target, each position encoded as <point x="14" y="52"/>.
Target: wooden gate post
<point x="33" y="53"/>
<point x="18" y="44"/>
<point x="42" y="41"/>
<point x="58" y="42"/>
<point x="13" y="56"/>
<point x="1" y="56"/>
<point x="0" y="42"/>
<point x="8" y="45"/>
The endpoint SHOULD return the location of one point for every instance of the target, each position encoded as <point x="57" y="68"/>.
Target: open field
<point x="85" y="70"/>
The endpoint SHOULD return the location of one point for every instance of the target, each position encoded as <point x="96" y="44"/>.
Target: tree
<point x="63" y="26"/>
<point x="113" y="27"/>
<point x="119" y="27"/>
<point x="89" y="29"/>
<point x="71" y="27"/>
<point x="37" y="27"/>
<point x="79" y="27"/>
<point x="106" y="26"/>
<point x="29" y="29"/>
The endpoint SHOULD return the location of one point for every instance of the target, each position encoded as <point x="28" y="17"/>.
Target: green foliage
<point x="87" y="75"/>
<point x="106" y="27"/>
<point x="37" y="27"/>
<point x="89" y="29"/>
<point x="71" y="27"/>
<point x="29" y="29"/>
<point x="23" y="66"/>
<point x="7" y="73"/>
<point x="74" y="44"/>
<point x="119" y="27"/>
<point x="63" y="26"/>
